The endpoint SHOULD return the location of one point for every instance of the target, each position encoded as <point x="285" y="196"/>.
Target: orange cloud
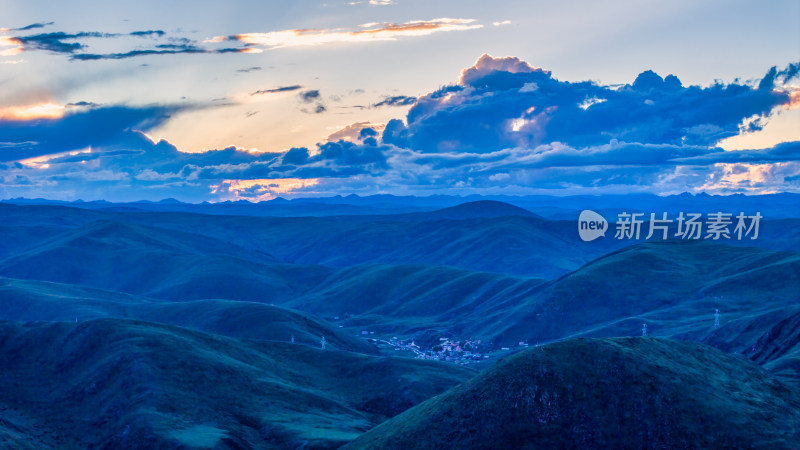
<point x="261" y="189"/>
<point x="11" y="51"/>
<point x="351" y="132"/>
<point x="794" y="98"/>
<point x="7" y="41"/>
<point x="15" y="44"/>
<point x="366" y="33"/>
<point x="751" y="178"/>
<point x="32" y="112"/>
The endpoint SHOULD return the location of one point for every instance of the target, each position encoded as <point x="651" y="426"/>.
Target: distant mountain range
<point x="552" y="207"/>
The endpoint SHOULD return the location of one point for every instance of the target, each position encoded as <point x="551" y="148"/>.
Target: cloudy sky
<point x="215" y="101"/>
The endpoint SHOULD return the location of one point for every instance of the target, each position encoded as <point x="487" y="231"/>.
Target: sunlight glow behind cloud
<point x="32" y="112"/>
<point x="260" y="190"/>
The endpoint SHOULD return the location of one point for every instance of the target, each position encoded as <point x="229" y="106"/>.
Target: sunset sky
<point x="215" y="101"/>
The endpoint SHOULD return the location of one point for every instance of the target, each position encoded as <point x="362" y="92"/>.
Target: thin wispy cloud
<point x="60" y="42"/>
<point x="396" y="100"/>
<point x="279" y="89"/>
<point x="32" y="26"/>
<point x="369" y="32"/>
<point x="76" y="45"/>
<point x="372" y="2"/>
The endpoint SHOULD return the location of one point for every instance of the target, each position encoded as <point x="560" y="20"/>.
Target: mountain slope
<point x="408" y="298"/>
<point x="672" y="286"/>
<point x="159" y="263"/>
<point x="25" y="300"/>
<point x="515" y="244"/>
<point x="125" y="384"/>
<point x="613" y="393"/>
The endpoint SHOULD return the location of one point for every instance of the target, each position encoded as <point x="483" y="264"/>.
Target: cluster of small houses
<point x="455" y="351"/>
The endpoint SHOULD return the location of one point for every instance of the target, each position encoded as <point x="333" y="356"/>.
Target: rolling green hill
<point x="516" y="245"/>
<point x="610" y="393"/>
<point x="25" y="300"/>
<point x="120" y="384"/>
<point x="675" y="287"/>
<point x="411" y="298"/>
<point x="771" y="339"/>
<point x="672" y="286"/>
<point x="159" y="263"/>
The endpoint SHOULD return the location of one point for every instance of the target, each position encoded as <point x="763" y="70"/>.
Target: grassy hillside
<point x="516" y="244"/>
<point x="771" y="339"/>
<point x="120" y="384"/>
<point x="25" y="300"/>
<point x="409" y="298"/>
<point x="672" y="286"/>
<point x="612" y="393"/>
<point x="675" y="287"/>
<point x="159" y="263"/>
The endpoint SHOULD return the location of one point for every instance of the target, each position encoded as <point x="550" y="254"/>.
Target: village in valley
<point x="458" y="351"/>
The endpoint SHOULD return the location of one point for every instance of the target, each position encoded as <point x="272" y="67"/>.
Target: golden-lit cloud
<point x="11" y="51"/>
<point x="43" y="162"/>
<point x="365" y="33"/>
<point x="750" y="178"/>
<point x="794" y="98"/>
<point x="260" y="190"/>
<point x="6" y="41"/>
<point x="352" y="132"/>
<point x="32" y="112"/>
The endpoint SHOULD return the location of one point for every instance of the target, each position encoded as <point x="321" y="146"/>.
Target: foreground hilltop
<point x="111" y="383"/>
<point x="604" y="393"/>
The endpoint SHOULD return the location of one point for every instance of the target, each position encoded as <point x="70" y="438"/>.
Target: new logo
<point x="591" y="225"/>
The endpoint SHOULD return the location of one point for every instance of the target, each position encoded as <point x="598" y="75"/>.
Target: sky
<point x="249" y="100"/>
